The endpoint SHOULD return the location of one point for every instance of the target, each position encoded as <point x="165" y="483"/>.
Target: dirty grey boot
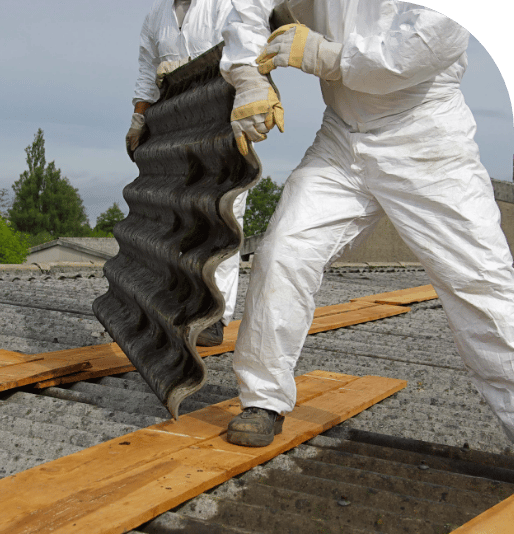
<point x="254" y="427"/>
<point x="211" y="336"/>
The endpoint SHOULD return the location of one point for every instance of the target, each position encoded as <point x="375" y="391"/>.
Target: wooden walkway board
<point x="22" y="374"/>
<point x="325" y="318"/>
<point x="402" y="296"/>
<point x="363" y="315"/>
<point x="108" y="365"/>
<point x="497" y="520"/>
<point x="8" y="357"/>
<point x="118" y="485"/>
<point x="102" y="360"/>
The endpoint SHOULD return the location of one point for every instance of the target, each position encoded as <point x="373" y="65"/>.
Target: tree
<point x="105" y="221"/>
<point x="44" y="200"/>
<point x="13" y="247"/>
<point x="5" y="202"/>
<point x="260" y="205"/>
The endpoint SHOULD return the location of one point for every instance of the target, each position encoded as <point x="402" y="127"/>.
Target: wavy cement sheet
<point x="179" y="228"/>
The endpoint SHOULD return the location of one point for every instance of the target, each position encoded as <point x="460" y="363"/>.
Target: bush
<point x="14" y="247"/>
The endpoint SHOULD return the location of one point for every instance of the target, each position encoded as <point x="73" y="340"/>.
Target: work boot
<point x="254" y="427"/>
<point x="212" y="336"/>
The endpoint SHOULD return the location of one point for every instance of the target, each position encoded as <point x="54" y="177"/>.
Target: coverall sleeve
<point x="223" y="10"/>
<point x="245" y="33"/>
<point x="146" y="89"/>
<point x="416" y="46"/>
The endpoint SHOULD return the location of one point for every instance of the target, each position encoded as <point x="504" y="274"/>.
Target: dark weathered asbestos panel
<point x="179" y="228"/>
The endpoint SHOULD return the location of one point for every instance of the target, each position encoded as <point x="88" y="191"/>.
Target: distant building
<point x="74" y="249"/>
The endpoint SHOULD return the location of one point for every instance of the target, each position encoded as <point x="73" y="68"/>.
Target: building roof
<point x="51" y="310"/>
<point x="104" y="247"/>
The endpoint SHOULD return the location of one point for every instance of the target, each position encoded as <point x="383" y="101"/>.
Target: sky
<point x="70" y="68"/>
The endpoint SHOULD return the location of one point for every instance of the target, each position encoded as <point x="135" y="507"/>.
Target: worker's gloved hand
<point x="137" y="127"/>
<point x="294" y="45"/>
<point x="167" y="67"/>
<point x="256" y="107"/>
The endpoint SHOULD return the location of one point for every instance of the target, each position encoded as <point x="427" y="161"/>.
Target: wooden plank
<point x="342" y="308"/>
<point x="8" y="357"/>
<point x="118" y="485"/>
<point x="402" y="296"/>
<point x="364" y="315"/>
<point x="88" y="353"/>
<point x="497" y="520"/>
<point x="106" y="366"/>
<point x="14" y="358"/>
<point x="27" y="373"/>
<point x="109" y="359"/>
<point x="352" y="311"/>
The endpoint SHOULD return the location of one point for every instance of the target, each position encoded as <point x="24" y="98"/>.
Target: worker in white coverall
<point x="174" y="32"/>
<point x="396" y="138"/>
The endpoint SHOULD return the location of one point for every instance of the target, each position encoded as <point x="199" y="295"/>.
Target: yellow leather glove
<point x="256" y="107"/>
<point x="295" y="45"/>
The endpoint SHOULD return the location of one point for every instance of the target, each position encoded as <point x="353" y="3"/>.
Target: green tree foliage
<point x="5" y="202"/>
<point x="13" y="246"/>
<point x="44" y="200"/>
<point x="260" y="205"/>
<point x="105" y="221"/>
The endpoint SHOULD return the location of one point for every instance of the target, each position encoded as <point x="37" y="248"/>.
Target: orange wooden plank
<point x="55" y="365"/>
<point x="88" y="353"/>
<point x="8" y="357"/>
<point x="402" y="296"/>
<point x="342" y="308"/>
<point x="111" y="359"/>
<point x="106" y="366"/>
<point x="118" y="485"/>
<point x="310" y="385"/>
<point x="372" y="313"/>
<point x="27" y="373"/>
<point x="497" y="520"/>
<point x="345" y="314"/>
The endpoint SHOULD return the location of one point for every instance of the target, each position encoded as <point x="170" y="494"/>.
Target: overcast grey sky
<point x="70" y="67"/>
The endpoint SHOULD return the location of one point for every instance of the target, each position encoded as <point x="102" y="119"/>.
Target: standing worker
<point x="396" y="138"/>
<point x="174" y="32"/>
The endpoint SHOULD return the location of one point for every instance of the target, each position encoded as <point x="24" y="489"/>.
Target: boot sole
<point x="252" y="439"/>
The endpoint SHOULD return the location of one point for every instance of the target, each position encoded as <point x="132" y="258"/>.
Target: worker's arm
<point x="245" y="33"/>
<point x="403" y="49"/>
<point x="418" y="45"/>
<point x="257" y="108"/>
<point x="146" y="91"/>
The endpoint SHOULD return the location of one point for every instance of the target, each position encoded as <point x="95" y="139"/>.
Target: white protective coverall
<point x="396" y="137"/>
<point x="163" y="40"/>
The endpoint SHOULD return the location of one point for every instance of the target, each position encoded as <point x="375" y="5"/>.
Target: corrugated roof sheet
<point x="52" y="311"/>
<point x="180" y="226"/>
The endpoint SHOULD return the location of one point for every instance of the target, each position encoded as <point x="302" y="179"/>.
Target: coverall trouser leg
<point x="425" y="173"/>
<point x="227" y="273"/>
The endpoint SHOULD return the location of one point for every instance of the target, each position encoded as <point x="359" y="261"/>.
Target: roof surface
<point x="47" y="311"/>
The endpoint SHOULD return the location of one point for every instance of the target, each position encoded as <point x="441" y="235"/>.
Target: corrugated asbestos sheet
<point x="180" y="226"/>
